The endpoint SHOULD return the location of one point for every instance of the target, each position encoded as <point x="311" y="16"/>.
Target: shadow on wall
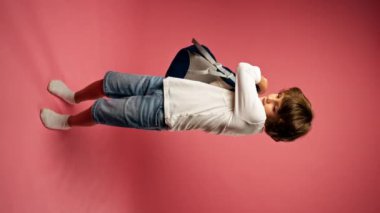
<point x="107" y="159"/>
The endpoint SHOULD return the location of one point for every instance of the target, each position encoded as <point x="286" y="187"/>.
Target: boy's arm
<point x="248" y="105"/>
<point x="263" y="85"/>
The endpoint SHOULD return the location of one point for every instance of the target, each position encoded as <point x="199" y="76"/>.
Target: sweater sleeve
<point x="248" y="105"/>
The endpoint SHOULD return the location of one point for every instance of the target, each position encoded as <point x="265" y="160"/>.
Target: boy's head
<point x="289" y="114"/>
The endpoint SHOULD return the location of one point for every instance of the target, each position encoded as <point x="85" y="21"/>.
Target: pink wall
<point x="328" y="48"/>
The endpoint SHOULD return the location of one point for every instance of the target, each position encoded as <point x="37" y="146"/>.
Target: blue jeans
<point x="135" y="101"/>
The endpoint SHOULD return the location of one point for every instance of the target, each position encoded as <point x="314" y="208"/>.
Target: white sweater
<point x="192" y="104"/>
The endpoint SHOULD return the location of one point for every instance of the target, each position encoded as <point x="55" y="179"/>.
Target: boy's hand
<point x="263" y="84"/>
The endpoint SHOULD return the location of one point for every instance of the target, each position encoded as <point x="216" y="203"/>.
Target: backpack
<point x="196" y="62"/>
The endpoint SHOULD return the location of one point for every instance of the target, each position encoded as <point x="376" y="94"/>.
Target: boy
<point x="157" y="103"/>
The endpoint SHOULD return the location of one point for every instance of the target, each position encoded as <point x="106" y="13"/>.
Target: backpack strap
<point x="223" y="72"/>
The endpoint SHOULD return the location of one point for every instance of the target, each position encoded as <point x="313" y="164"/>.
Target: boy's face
<point x="272" y="103"/>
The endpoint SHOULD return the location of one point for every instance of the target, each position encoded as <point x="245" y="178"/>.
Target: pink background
<point x="328" y="48"/>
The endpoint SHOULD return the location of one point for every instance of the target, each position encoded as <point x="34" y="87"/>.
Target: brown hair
<point x="293" y="118"/>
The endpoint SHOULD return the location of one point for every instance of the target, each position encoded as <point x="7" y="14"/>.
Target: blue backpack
<point x="196" y="62"/>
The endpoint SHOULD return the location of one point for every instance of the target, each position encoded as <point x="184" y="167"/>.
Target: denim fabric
<point x="135" y="101"/>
